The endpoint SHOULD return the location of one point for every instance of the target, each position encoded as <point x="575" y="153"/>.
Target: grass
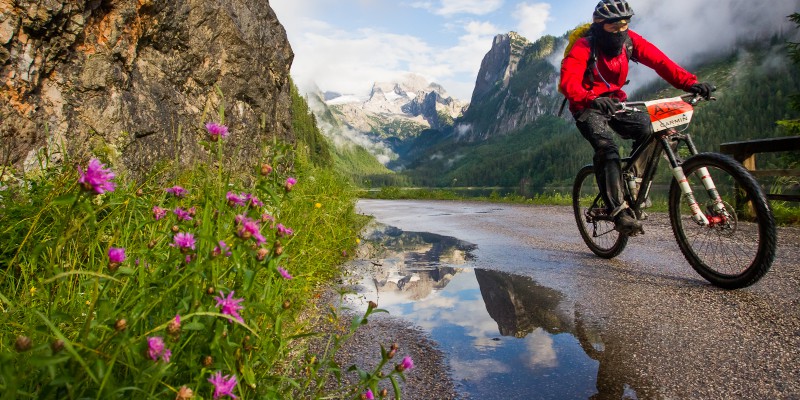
<point x="205" y="300"/>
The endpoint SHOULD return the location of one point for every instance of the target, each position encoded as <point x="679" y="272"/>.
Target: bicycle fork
<point x="683" y="182"/>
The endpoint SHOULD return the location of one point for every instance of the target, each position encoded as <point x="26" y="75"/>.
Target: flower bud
<point x="287" y="304"/>
<point x="175" y="228"/>
<point x="266" y="169"/>
<point x="372" y="305"/>
<point x="121" y="325"/>
<point x="278" y="249"/>
<point x="184" y="393"/>
<point x="262" y="254"/>
<point x="139" y="193"/>
<point x="210" y="290"/>
<point x="113" y="266"/>
<point x="23" y="343"/>
<point x="208" y="361"/>
<point x="384" y="392"/>
<point x="57" y="346"/>
<point x="152" y="244"/>
<point x="174" y="328"/>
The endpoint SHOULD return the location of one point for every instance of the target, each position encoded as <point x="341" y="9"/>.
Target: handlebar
<point x="691" y="98"/>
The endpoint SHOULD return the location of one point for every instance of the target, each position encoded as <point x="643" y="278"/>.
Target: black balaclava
<point x="608" y="42"/>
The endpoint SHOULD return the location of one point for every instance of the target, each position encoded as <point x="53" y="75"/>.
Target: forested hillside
<point x="754" y="89"/>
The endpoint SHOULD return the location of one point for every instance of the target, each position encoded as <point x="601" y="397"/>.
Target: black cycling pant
<point x="599" y="130"/>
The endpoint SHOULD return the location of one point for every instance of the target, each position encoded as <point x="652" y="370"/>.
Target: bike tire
<point x="599" y="235"/>
<point x="737" y="249"/>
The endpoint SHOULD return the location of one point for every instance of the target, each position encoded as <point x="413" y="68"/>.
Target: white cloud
<point x="532" y="19"/>
<point x="476" y="7"/>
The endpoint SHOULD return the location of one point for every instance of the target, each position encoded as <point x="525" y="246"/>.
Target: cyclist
<point x="592" y="76"/>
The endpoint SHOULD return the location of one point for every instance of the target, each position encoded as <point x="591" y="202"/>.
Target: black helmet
<point x="613" y="9"/>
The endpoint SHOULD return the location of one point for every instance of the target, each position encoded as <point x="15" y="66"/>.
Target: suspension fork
<point x="677" y="171"/>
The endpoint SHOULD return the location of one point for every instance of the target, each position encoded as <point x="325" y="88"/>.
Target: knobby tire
<point x="734" y="254"/>
<point x="609" y="243"/>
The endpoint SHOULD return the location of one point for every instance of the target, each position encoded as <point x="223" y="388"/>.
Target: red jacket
<point x="615" y="71"/>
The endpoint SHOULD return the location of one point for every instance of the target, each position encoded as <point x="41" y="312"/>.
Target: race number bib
<point x="668" y="113"/>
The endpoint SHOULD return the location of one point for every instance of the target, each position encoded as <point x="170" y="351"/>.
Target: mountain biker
<point x="592" y="80"/>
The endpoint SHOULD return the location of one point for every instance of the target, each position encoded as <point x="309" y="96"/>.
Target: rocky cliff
<point x="137" y="79"/>
<point x="516" y="84"/>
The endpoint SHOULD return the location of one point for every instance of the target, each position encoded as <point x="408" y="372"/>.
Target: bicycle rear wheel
<point x="589" y="209"/>
<point x="737" y="247"/>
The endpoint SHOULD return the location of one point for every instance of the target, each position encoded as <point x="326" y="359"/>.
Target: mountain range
<point x="510" y="134"/>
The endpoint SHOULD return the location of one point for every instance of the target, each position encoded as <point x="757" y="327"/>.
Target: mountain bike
<point x="719" y="214"/>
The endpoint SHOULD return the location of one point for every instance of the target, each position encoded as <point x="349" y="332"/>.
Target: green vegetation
<point x="189" y="282"/>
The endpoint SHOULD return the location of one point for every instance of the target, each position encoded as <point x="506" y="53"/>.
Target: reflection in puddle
<point x="505" y="336"/>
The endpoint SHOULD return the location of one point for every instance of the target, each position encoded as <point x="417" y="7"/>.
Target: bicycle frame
<point x="665" y="133"/>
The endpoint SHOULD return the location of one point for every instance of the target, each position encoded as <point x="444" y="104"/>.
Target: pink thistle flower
<point x="290" y="182"/>
<point x="368" y="395"/>
<point x="284" y="231"/>
<point x="96" y="177"/>
<point x="177" y="191"/>
<point x="182" y="214"/>
<point x="234" y="200"/>
<point x="216" y="131"/>
<point x="253" y="201"/>
<point x="116" y="255"/>
<point x="249" y="228"/>
<point x="406" y="364"/>
<point x="159" y="212"/>
<point x="156" y="349"/>
<point x="184" y="241"/>
<point x="221" y="249"/>
<point x="284" y="273"/>
<point x="223" y="386"/>
<point x="230" y="306"/>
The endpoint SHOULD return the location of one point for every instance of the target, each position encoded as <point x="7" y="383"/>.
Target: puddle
<point x="504" y="335"/>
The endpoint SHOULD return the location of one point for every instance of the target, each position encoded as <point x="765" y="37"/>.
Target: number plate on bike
<point x="669" y="113"/>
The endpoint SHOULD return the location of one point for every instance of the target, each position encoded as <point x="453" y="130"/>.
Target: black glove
<point x="606" y="105"/>
<point x="703" y="89"/>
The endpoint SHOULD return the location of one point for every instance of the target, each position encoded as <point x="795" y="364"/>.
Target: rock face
<point x="136" y="80"/>
<point x="516" y="85"/>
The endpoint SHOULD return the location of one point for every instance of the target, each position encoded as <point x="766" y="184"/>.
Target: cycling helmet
<point x="613" y="9"/>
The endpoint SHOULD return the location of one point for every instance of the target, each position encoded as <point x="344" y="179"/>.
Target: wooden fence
<point x="745" y="152"/>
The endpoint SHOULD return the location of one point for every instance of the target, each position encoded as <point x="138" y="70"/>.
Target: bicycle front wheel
<point x="737" y="246"/>
<point x="597" y="230"/>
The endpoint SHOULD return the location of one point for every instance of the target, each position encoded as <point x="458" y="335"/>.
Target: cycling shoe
<point x="625" y="224"/>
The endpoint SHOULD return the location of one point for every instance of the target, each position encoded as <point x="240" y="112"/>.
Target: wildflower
<point x="207" y="361"/>
<point x="184" y="393"/>
<point x="266" y="169"/>
<point x="192" y="211"/>
<point x="96" y="177"/>
<point x="223" y="386"/>
<point x="182" y="214"/>
<point x="216" y="131"/>
<point x="184" y="241"/>
<point x="253" y="201"/>
<point x="284" y="273"/>
<point x="230" y="306"/>
<point x="57" y="346"/>
<point x="33" y="290"/>
<point x="234" y="200"/>
<point x="116" y="255"/>
<point x="284" y="231"/>
<point x="368" y="395"/>
<point x="358" y="240"/>
<point x="318" y="205"/>
<point x="290" y="182"/>
<point x="404" y="365"/>
<point x="221" y="249"/>
<point x="249" y="228"/>
<point x="174" y="326"/>
<point x="188" y="259"/>
<point x="262" y="254"/>
<point x="177" y="191"/>
<point x="156" y="349"/>
<point x="266" y="217"/>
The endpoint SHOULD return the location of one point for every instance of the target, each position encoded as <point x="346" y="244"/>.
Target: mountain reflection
<point x="413" y="263"/>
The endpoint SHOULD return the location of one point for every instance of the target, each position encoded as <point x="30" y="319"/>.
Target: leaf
<point x="193" y="326"/>
<point x="126" y="271"/>
<point x="396" y="387"/>
<point x="65" y="199"/>
<point x="46" y="361"/>
<point x="249" y="277"/>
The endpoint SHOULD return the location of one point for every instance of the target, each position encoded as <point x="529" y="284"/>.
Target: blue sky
<point x="346" y="45"/>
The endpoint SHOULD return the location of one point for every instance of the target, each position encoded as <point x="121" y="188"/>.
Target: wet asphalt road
<point x="665" y="332"/>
